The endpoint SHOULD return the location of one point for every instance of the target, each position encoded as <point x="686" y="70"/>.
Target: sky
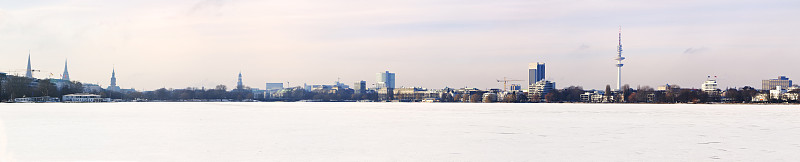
<point x="427" y="43"/>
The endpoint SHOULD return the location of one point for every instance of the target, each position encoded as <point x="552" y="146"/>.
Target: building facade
<point x="360" y="87"/>
<point x="535" y="73"/>
<point x="274" y="86"/>
<point x="385" y="80"/>
<point x="771" y="84"/>
<point x="84" y="97"/>
<point x="113" y="86"/>
<point x="540" y="89"/>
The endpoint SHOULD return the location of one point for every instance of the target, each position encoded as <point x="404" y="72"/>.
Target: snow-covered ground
<point x="397" y="132"/>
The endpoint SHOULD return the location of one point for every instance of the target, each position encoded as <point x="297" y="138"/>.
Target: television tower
<point x="619" y="61"/>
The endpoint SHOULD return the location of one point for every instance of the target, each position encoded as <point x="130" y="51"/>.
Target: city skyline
<point x="464" y="44"/>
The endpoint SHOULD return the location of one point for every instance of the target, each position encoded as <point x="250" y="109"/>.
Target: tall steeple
<point x="29" y="71"/>
<point x="65" y="76"/>
<point x="619" y="61"/>
<point x="239" y="84"/>
<point x="113" y="77"/>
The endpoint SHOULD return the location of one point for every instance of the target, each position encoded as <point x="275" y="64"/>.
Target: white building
<point x="84" y="97"/>
<point x="540" y="88"/>
<point x="709" y="85"/>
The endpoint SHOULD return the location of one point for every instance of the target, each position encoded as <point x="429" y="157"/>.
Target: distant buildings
<point x="710" y="87"/>
<point x="92" y="88"/>
<point x="537" y="85"/>
<point x="771" y="84"/>
<point x="540" y="89"/>
<point x="84" y="97"/>
<point x="65" y="76"/>
<point x="360" y="87"/>
<point x="535" y="72"/>
<point x="274" y="86"/>
<point x="385" y="85"/>
<point x="239" y="84"/>
<point x="29" y="71"/>
<point x="385" y="80"/>
<point x="515" y="87"/>
<point x="113" y="86"/>
<point x="594" y="96"/>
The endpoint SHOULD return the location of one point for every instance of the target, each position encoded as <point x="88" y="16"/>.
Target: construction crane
<point x="506" y="80"/>
<point x="17" y="71"/>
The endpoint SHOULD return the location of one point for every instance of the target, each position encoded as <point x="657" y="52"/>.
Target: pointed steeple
<point x="65" y="76"/>
<point x="113" y="77"/>
<point x="29" y="71"/>
<point x="239" y="84"/>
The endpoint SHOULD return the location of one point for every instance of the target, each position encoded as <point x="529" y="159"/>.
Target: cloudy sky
<point x="428" y="43"/>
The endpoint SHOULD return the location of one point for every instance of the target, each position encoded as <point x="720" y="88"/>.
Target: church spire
<point x="239" y="84"/>
<point x="29" y="71"/>
<point x="113" y="77"/>
<point x="65" y="76"/>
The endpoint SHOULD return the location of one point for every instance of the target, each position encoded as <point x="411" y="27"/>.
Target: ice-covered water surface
<point x="397" y="132"/>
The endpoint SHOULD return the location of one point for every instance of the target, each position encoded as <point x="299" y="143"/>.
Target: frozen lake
<point x="397" y="132"/>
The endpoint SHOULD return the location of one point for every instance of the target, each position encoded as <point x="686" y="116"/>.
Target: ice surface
<point x="397" y="132"/>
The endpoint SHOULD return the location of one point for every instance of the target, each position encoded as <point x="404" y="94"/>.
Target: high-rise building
<point x="710" y="87"/>
<point x="619" y="61"/>
<point x="385" y="80"/>
<point x="65" y="76"/>
<point x="360" y="87"/>
<point x="535" y="73"/>
<point x="771" y="84"/>
<point x="710" y="84"/>
<point x="29" y="71"/>
<point x="239" y="84"/>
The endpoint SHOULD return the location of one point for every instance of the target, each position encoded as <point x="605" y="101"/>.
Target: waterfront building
<point x="540" y="89"/>
<point x="770" y="84"/>
<point x="84" y="97"/>
<point x="536" y="73"/>
<point x="414" y="93"/>
<point x="710" y="88"/>
<point x="594" y="96"/>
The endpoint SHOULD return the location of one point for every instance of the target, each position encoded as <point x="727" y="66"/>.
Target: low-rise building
<point x="540" y="89"/>
<point x="36" y="99"/>
<point x="84" y="97"/>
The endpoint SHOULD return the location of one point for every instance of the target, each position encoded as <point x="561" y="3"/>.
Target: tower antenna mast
<point x="619" y="61"/>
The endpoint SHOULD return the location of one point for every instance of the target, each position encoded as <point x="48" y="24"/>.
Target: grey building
<point x="360" y="87"/>
<point x="770" y="84"/>
<point x="274" y="86"/>
<point x="535" y="73"/>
